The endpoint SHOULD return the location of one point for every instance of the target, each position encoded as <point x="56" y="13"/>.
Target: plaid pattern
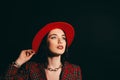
<point x="35" y="71"/>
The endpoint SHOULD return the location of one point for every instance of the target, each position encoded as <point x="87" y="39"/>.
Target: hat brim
<point x="66" y="27"/>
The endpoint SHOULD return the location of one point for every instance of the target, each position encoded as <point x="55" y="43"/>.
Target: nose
<point x="59" y="40"/>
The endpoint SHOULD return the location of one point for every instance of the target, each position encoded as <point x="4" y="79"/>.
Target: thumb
<point x="32" y="55"/>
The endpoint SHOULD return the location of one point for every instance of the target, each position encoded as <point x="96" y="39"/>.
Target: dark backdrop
<point x="96" y="45"/>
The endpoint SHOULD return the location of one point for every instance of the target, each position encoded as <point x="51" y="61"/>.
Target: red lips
<point x="60" y="47"/>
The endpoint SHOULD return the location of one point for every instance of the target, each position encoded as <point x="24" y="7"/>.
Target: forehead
<point x="57" y="31"/>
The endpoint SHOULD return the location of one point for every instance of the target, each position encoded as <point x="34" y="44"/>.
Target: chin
<point x="57" y="53"/>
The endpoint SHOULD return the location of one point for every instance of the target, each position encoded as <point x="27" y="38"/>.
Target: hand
<point x="25" y="56"/>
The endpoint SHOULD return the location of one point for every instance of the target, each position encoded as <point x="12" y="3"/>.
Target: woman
<point x="51" y="42"/>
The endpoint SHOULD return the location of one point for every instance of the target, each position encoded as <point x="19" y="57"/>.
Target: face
<point x="56" y="41"/>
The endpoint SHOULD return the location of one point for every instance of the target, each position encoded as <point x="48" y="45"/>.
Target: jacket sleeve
<point x="14" y="73"/>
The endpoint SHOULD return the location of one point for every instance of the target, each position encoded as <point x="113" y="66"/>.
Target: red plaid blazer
<point x="35" y="71"/>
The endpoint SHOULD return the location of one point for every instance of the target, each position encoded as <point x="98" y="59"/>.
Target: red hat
<point x="66" y="27"/>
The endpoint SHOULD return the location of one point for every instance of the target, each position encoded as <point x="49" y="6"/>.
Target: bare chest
<point x="53" y="75"/>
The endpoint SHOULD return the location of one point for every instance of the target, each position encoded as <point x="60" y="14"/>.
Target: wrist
<point x="19" y="62"/>
<point x="16" y="64"/>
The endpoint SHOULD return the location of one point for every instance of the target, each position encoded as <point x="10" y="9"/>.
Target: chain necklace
<point x="55" y="69"/>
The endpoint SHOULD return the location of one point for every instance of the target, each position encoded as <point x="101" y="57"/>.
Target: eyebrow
<point x="55" y="35"/>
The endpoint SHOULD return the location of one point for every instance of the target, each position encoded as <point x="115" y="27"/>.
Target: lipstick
<point x="60" y="47"/>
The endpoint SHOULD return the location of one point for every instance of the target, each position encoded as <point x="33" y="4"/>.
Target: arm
<point x="15" y="71"/>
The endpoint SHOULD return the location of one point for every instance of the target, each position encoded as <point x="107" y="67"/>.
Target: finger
<point x="30" y="52"/>
<point x="27" y="53"/>
<point x="31" y="55"/>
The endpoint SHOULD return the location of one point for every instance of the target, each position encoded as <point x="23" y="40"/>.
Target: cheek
<point x="51" y="45"/>
<point x="65" y="43"/>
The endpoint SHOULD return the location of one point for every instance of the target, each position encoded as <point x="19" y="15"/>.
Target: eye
<point x="64" y="38"/>
<point x="53" y="37"/>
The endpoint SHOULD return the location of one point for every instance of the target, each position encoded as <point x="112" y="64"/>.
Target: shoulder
<point x="72" y="71"/>
<point x="67" y="64"/>
<point x="32" y="64"/>
<point x="72" y="67"/>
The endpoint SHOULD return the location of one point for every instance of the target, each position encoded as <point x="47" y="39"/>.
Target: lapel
<point x="43" y="75"/>
<point x="39" y="72"/>
<point x="65" y="74"/>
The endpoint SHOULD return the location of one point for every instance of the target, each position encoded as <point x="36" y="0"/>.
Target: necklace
<point x="55" y="69"/>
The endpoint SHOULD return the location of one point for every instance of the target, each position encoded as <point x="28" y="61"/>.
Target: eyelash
<point x="53" y="37"/>
<point x="62" y="37"/>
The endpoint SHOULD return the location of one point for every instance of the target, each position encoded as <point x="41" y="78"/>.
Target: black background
<point x="96" y="46"/>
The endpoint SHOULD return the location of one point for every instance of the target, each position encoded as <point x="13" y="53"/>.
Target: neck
<point x="54" y="62"/>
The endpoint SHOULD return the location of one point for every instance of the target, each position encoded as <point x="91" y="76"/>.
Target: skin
<point x="25" y="55"/>
<point x="55" y="38"/>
